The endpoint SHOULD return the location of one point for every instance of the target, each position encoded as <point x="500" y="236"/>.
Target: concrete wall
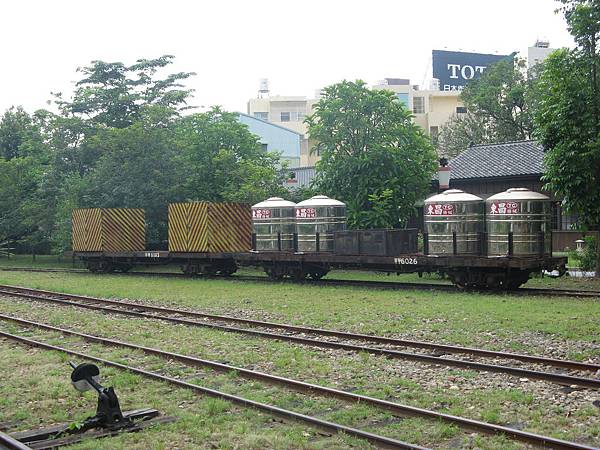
<point x="561" y="240"/>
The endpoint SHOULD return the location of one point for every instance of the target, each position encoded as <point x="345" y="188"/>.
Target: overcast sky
<point x="299" y="46"/>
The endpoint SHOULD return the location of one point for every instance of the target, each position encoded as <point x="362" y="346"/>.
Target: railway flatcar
<point x="495" y="244"/>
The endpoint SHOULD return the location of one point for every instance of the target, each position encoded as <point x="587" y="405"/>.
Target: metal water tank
<point x="274" y="224"/>
<point x="527" y="214"/>
<point x="454" y="211"/>
<point x="316" y="220"/>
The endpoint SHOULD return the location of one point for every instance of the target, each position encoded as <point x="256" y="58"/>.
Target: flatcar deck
<point x="467" y="270"/>
<point x="410" y="261"/>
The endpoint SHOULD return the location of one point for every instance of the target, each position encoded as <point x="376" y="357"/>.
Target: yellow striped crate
<point x="206" y="227"/>
<point x="108" y="230"/>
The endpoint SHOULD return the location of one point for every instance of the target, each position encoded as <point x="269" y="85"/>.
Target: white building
<point x="536" y="54"/>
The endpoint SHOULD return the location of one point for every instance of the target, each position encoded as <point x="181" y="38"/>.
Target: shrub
<point x="587" y="258"/>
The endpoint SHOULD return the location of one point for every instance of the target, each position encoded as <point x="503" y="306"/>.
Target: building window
<point x="262" y="115"/>
<point x="285" y="116"/>
<point x="403" y="98"/>
<point x="301" y="116"/>
<point x="562" y="220"/>
<point x="265" y="147"/>
<point x="433" y="134"/>
<point x="419" y="105"/>
<point x="461" y="110"/>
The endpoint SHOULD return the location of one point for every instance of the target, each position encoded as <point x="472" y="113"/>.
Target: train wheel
<point x="228" y="269"/>
<point x="274" y="273"/>
<point x="318" y="274"/>
<point x="211" y="271"/>
<point x="516" y="279"/>
<point x="298" y="274"/>
<point x="190" y="269"/>
<point x="123" y="268"/>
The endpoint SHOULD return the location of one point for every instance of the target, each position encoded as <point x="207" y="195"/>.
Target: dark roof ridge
<point x="503" y="143"/>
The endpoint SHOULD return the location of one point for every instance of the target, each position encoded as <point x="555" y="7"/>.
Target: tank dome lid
<point x="518" y="194"/>
<point x="453" y="195"/>
<point x="320" y="200"/>
<point x="274" y="202"/>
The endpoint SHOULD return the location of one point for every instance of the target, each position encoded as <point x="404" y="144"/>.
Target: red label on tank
<point x="306" y="213"/>
<point x="504" y="208"/>
<point x="261" y="213"/>
<point x="440" y="210"/>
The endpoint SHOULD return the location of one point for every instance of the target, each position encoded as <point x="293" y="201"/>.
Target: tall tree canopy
<point x="121" y="141"/>
<point x="113" y="94"/>
<point x="372" y="155"/>
<point x="223" y="161"/>
<point x="20" y="135"/>
<point x="567" y="116"/>
<point x="498" y="109"/>
<point x="23" y="163"/>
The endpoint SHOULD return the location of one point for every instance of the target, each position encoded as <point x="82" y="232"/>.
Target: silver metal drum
<point x="453" y="211"/>
<point x="319" y="214"/>
<point x="273" y="220"/>
<point x="527" y="214"/>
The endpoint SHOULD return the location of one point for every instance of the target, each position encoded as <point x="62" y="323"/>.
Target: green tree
<point x="223" y="161"/>
<point x="372" y="155"/>
<point x="462" y="131"/>
<point x="23" y="163"/>
<point x="110" y="96"/>
<point x="137" y="169"/>
<point x="499" y="109"/>
<point x="20" y="135"/>
<point x="567" y="115"/>
<point x="114" y="95"/>
<point x="20" y="209"/>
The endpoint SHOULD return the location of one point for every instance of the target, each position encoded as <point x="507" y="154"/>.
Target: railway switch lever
<point x="86" y="376"/>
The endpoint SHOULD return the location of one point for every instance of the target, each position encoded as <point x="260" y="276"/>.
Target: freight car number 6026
<point x="404" y="261"/>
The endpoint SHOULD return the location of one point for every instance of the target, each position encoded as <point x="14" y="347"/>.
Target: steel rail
<point x="376" y="439"/>
<point x="300" y="386"/>
<point x="336" y="282"/>
<point x="43" y="269"/>
<point x="567" y="364"/>
<point x="533" y="374"/>
<point x="10" y="443"/>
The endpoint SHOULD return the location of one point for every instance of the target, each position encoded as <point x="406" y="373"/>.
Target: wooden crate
<point x="205" y="227"/>
<point x="108" y="230"/>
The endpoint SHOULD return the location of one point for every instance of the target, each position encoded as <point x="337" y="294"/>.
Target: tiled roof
<point x="498" y="160"/>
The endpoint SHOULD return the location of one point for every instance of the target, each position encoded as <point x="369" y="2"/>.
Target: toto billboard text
<point x="455" y="69"/>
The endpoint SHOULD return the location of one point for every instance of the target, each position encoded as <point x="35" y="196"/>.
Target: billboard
<point x="455" y="69"/>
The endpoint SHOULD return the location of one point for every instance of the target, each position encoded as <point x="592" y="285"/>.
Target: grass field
<point x="557" y="327"/>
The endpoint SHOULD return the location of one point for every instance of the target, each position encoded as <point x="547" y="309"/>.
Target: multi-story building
<point x="431" y="108"/>
<point x="275" y="138"/>
<point x="288" y="112"/>
<point x="536" y="54"/>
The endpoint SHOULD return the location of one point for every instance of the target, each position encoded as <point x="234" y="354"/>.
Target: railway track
<point x="378" y="440"/>
<point x="300" y="386"/>
<point x="542" y="292"/>
<point x="315" y="337"/>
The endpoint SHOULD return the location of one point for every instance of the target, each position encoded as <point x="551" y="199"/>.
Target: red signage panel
<point x="442" y="209"/>
<point x="504" y="208"/>
<point x="306" y="213"/>
<point x="261" y="213"/>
